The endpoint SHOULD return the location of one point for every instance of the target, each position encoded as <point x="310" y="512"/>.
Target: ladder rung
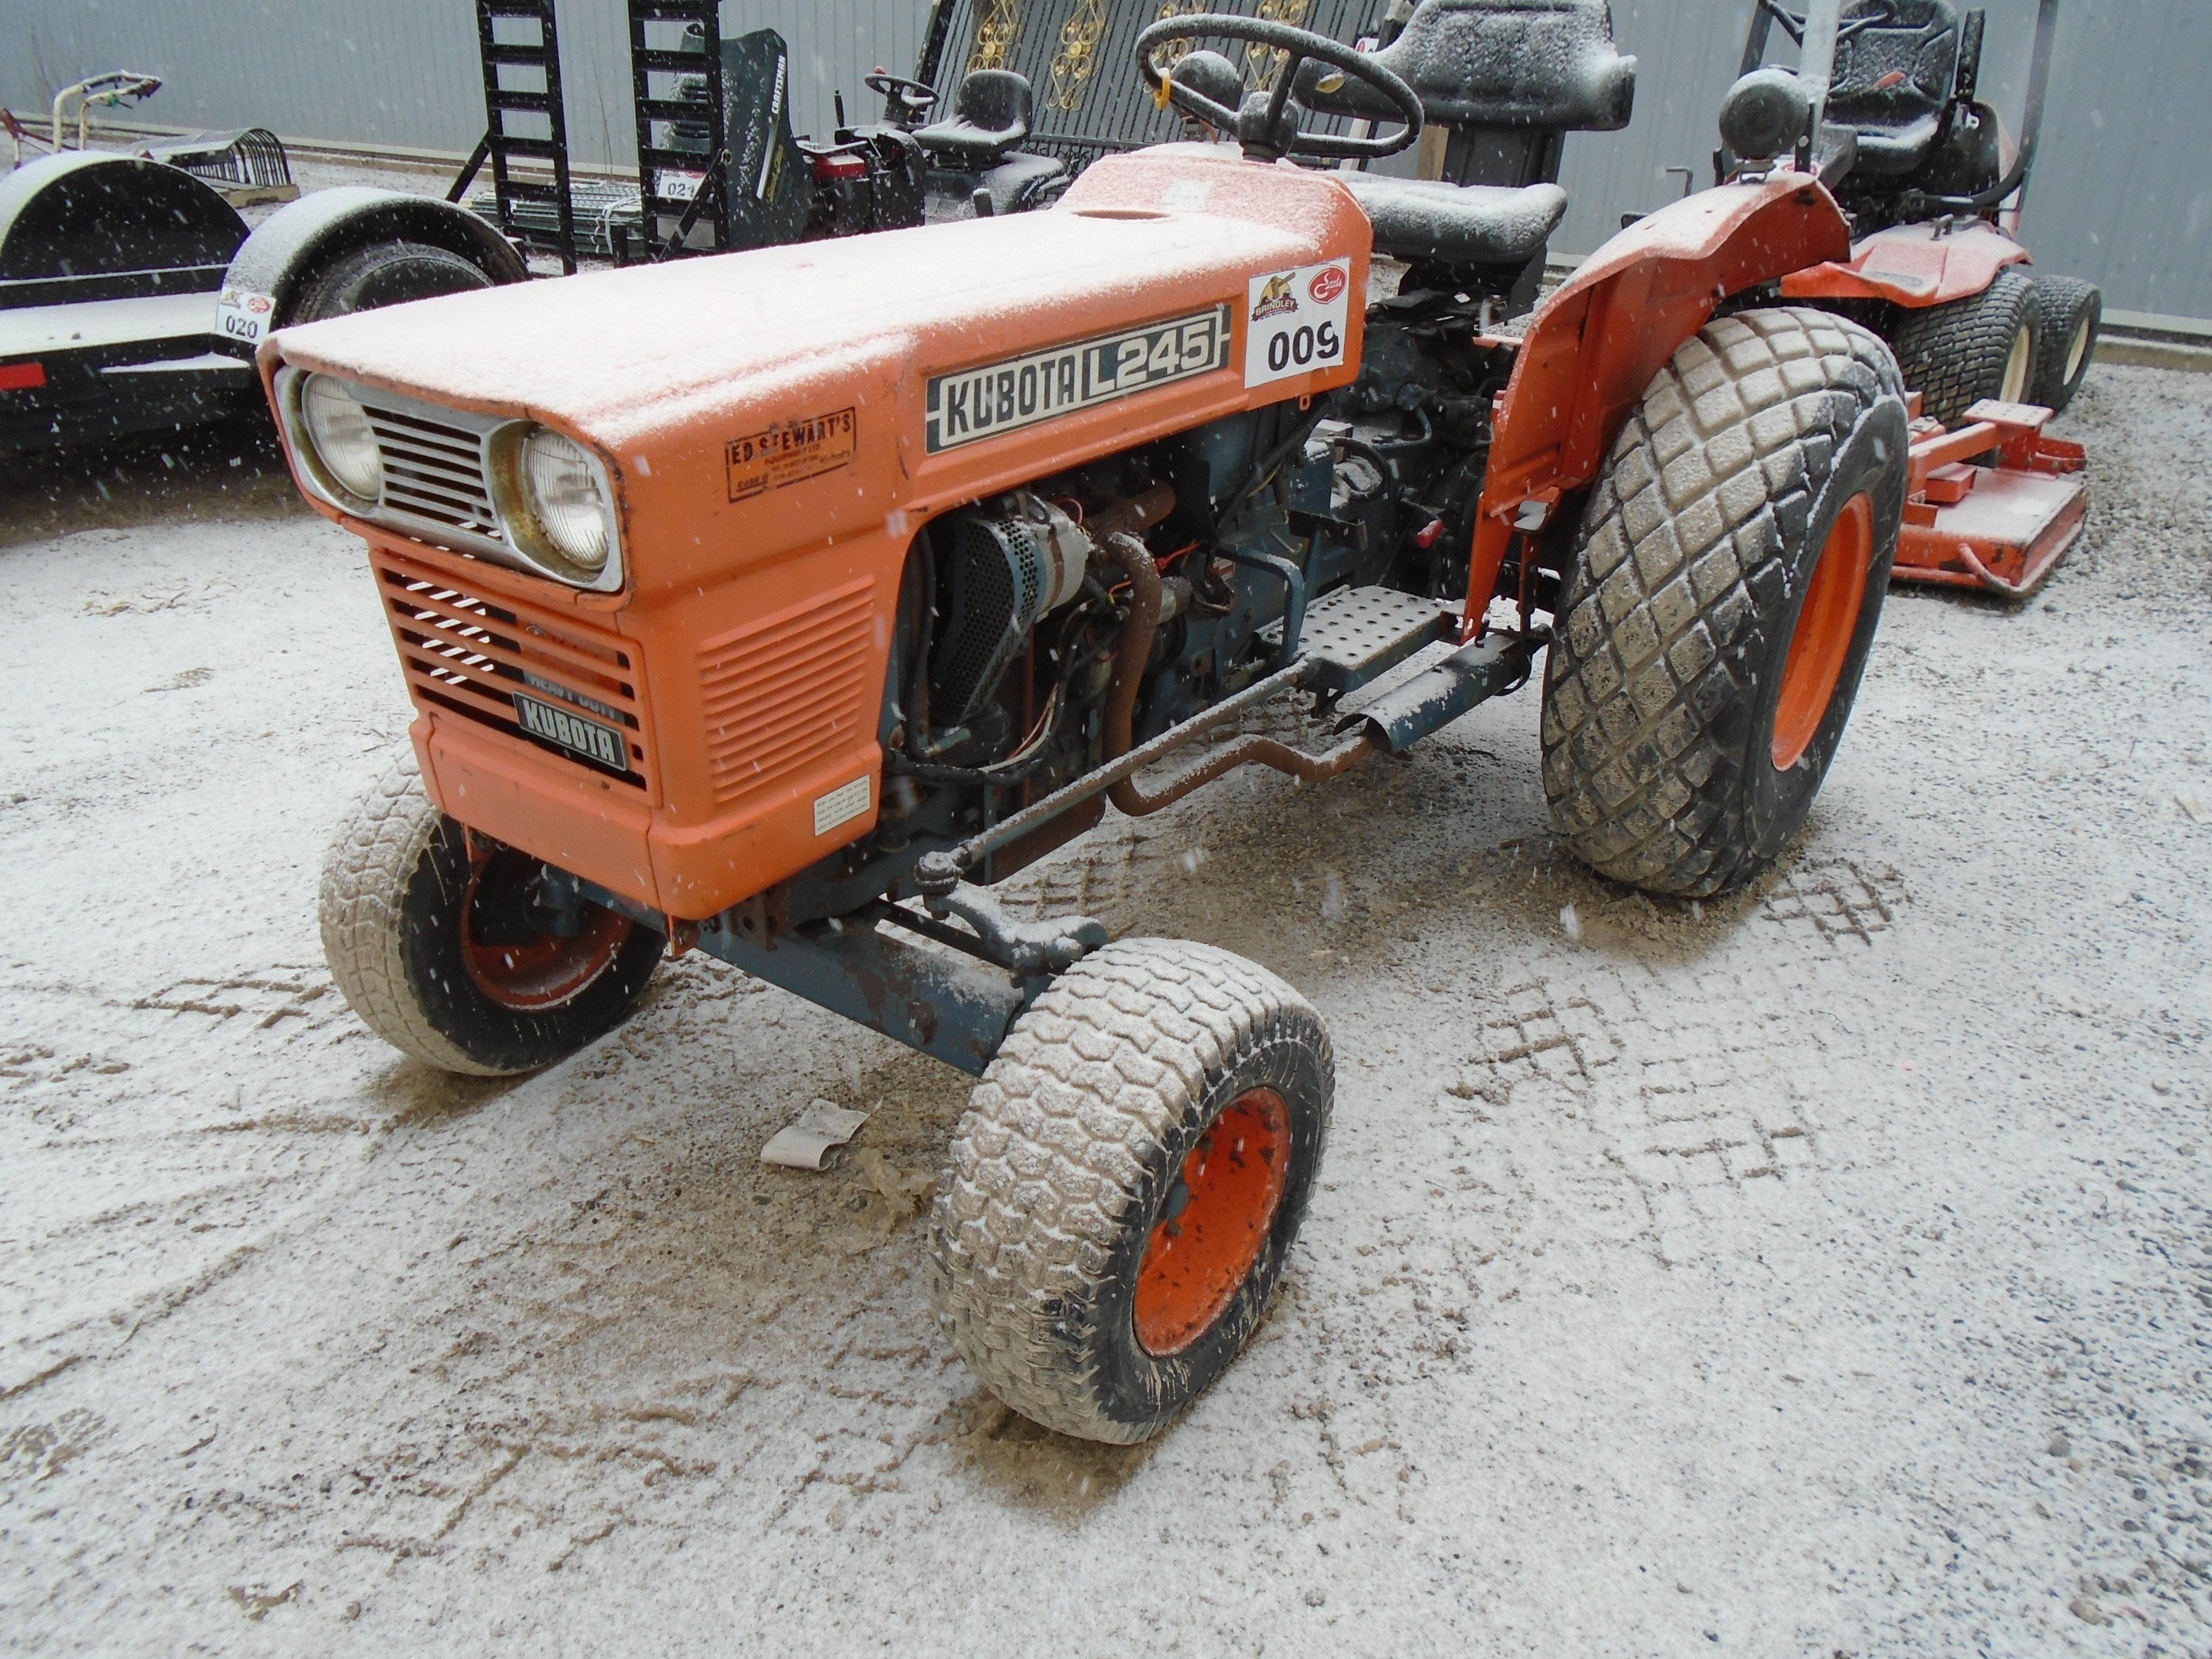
<point x="518" y="57"/>
<point x="543" y="149"/>
<point x="674" y="109"/>
<point x="677" y="62"/>
<point x="535" y="103"/>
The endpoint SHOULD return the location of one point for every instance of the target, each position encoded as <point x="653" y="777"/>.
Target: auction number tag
<point x="675" y="184"/>
<point x="244" y="316"/>
<point x="1294" y="321"/>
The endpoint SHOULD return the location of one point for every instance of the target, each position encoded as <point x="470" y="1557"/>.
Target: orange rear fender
<point x="1595" y="344"/>
<point x="1911" y="265"/>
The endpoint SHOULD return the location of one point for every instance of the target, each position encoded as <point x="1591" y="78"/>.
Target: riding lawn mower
<point x="806" y="593"/>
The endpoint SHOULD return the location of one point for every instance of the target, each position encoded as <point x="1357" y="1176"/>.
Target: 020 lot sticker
<point x="244" y="316"/>
<point x="1294" y="321"/>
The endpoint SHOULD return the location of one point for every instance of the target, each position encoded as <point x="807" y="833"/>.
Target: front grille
<point x="779" y="694"/>
<point x="434" y="470"/>
<point x="470" y="656"/>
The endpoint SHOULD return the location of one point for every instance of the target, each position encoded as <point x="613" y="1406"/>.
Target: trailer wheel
<point x="1126" y="1182"/>
<point x="449" y="959"/>
<point x="2072" y="311"/>
<point x="1983" y="346"/>
<point x="1728" y="575"/>
<point x="383" y="274"/>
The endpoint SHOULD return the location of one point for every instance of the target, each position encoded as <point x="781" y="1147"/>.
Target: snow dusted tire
<point x="2072" y="311"/>
<point x="383" y="274"/>
<point x="1126" y="1182"/>
<point x="449" y="959"/>
<point x="1726" y="578"/>
<point x="1983" y="346"/>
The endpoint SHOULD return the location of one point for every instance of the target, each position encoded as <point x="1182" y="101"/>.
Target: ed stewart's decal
<point x="1042" y="386"/>
<point x="789" y="452"/>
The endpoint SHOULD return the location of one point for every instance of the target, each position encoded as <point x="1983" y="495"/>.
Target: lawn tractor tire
<point x="433" y="949"/>
<point x="2072" y="311"/>
<point x="383" y="274"/>
<point x="1983" y="346"/>
<point x="1127" y="1183"/>
<point x="1727" y="580"/>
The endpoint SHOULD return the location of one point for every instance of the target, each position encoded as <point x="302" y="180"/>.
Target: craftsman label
<point x="787" y="452"/>
<point x="1294" y="321"/>
<point x="840" y="805"/>
<point x="1000" y="397"/>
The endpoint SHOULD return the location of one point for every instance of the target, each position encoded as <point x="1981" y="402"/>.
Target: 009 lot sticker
<point x="1294" y="321"/>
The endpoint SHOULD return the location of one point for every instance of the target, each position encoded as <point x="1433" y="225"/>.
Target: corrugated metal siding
<point x="2123" y="189"/>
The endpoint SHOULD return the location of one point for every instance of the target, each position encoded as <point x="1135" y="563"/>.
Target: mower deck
<point x="2002" y="528"/>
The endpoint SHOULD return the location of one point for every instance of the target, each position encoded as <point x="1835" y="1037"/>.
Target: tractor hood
<point x="633" y="359"/>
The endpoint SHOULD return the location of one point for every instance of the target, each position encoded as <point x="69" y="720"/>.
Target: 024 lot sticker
<point x="1294" y="321"/>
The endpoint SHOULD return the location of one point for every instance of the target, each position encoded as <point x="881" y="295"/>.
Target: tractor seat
<point x="1896" y="61"/>
<point x="990" y="117"/>
<point x="1422" y="219"/>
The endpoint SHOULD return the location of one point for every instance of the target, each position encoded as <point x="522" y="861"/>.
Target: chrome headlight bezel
<point x="314" y="461"/>
<point x="522" y="514"/>
<point x="506" y="531"/>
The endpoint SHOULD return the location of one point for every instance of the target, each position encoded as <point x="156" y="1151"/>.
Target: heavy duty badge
<point x="787" y="453"/>
<point x="996" y="398"/>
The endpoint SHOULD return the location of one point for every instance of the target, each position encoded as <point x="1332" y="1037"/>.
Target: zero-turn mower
<point x="1921" y="171"/>
<point x="801" y="594"/>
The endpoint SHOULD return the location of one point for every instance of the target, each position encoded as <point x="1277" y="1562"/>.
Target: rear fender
<point x="1594" y="345"/>
<point x="1913" y="266"/>
<point x="286" y="249"/>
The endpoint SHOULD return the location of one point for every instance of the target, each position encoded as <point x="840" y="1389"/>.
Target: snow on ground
<point x="1824" y="1270"/>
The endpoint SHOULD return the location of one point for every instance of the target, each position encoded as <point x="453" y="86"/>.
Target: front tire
<point x="1983" y="346"/>
<point x="1728" y="577"/>
<point x="446" y="957"/>
<point x="1127" y="1183"/>
<point x="2072" y="313"/>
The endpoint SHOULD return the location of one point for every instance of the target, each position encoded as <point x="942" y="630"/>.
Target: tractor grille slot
<point x="434" y="470"/>
<point x="779" y="694"/>
<point x="470" y="656"/>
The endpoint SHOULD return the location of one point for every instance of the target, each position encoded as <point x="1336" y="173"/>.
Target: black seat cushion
<point x="990" y="116"/>
<point x="1458" y="224"/>
<point x="1546" y="65"/>
<point x="1020" y="180"/>
<point x="1895" y="62"/>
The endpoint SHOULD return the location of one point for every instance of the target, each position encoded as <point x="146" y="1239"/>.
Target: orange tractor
<point x="776" y="604"/>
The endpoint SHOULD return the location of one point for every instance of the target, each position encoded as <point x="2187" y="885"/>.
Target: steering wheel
<point x="1261" y="128"/>
<point x="907" y="100"/>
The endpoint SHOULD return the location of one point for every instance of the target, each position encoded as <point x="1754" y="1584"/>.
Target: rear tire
<point x="1983" y="346"/>
<point x="2072" y="311"/>
<point x="383" y="274"/>
<point x="1127" y="1183"/>
<point x="1728" y="577"/>
<point x="405" y="913"/>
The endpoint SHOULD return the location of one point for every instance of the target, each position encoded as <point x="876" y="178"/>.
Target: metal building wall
<point x="2120" y="194"/>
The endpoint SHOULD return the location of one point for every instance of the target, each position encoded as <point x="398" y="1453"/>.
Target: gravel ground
<point x="1824" y="1270"/>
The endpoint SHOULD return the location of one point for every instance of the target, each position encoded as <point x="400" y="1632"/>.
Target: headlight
<point x="562" y="500"/>
<point x="338" y="434"/>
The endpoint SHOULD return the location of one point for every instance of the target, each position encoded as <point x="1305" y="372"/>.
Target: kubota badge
<point x="1294" y="321"/>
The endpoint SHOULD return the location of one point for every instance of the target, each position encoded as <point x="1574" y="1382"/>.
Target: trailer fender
<point x="287" y="249"/>
<point x="1594" y="345"/>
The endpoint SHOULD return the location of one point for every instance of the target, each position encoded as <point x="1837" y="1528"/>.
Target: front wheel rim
<point x="1827" y="623"/>
<point x="1214" y="1222"/>
<point x="2077" y="350"/>
<point x="544" y="971"/>
<point x="2017" y="366"/>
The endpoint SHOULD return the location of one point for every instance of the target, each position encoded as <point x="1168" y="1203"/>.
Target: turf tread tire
<point x="1066" y="1145"/>
<point x="383" y="274"/>
<point x="2063" y="302"/>
<point x="1681" y="570"/>
<point x="1955" y="355"/>
<point x="392" y="829"/>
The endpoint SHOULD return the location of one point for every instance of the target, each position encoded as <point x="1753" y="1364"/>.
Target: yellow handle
<point x="1160" y="95"/>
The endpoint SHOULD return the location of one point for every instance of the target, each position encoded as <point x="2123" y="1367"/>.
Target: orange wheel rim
<point x="1825" y="626"/>
<point x="1214" y="1222"/>
<point x="541" y="972"/>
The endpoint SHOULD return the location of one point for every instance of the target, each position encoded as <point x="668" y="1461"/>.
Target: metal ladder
<point x="503" y="147"/>
<point x="661" y="166"/>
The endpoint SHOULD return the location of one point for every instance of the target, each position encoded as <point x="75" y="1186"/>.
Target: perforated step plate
<point x="1356" y="634"/>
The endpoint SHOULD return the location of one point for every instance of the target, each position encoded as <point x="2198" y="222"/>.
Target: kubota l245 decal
<point x="1042" y="386"/>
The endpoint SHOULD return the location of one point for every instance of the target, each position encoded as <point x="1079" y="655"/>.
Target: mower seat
<point x="1419" y="219"/>
<point x="1896" y="62"/>
<point x="990" y="116"/>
